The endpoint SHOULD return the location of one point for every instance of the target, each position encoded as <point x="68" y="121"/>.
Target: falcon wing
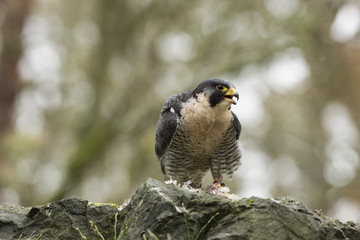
<point x="236" y="125"/>
<point x="167" y="123"/>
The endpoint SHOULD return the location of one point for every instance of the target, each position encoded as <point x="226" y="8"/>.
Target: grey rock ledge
<point x="166" y="211"/>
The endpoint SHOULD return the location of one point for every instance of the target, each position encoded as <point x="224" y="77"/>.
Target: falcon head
<point x="217" y="91"/>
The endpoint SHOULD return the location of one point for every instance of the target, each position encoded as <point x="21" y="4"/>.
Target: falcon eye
<point x="221" y="88"/>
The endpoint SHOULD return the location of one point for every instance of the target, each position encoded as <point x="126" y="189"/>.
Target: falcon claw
<point x="191" y="184"/>
<point x="218" y="184"/>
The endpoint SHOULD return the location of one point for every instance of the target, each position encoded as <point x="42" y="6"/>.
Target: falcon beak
<point x="230" y="94"/>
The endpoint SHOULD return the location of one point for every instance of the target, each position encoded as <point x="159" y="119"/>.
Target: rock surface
<point x="65" y="219"/>
<point x="166" y="211"/>
<point x="163" y="210"/>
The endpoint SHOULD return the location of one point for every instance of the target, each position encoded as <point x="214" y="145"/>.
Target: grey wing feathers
<point x="167" y="123"/>
<point x="237" y="126"/>
<point x="165" y="129"/>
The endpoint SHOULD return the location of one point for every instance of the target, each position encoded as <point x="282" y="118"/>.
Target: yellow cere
<point x="221" y="88"/>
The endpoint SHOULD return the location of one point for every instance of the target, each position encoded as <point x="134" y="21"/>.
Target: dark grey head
<point x="217" y="90"/>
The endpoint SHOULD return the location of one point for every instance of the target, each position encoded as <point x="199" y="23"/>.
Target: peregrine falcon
<point x="197" y="131"/>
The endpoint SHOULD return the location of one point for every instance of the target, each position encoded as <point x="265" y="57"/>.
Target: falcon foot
<point x="219" y="183"/>
<point x="191" y="184"/>
<point x="217" y="188"/>
<point x="214" y="187"/>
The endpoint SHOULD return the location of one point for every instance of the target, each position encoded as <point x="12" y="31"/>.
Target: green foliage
<point x="82" y="235"/>
<point x="115" y="226"/>
<point x="38" y="237"/>
<point x="250" y="201"/>
<point x="125" y="229"/>
<point x="106" y="204"/>
<point x="195" y="235"/>
<point x="195" y="227"/>
<point x="96" y="230"/>
<point x="152" y="236"/>
<point x="203" y="228"/>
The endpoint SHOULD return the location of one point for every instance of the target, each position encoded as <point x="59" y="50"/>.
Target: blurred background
<point x="82" y="84"/>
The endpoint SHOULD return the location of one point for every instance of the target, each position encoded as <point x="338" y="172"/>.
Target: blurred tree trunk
<point x="348" y="56"/>
<point x="12" y="17"/>
<point x="15" y="13"/>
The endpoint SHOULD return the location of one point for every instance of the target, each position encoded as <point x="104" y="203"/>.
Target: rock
<point x="65" y="219"/>
<point x="166" y="211"/>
